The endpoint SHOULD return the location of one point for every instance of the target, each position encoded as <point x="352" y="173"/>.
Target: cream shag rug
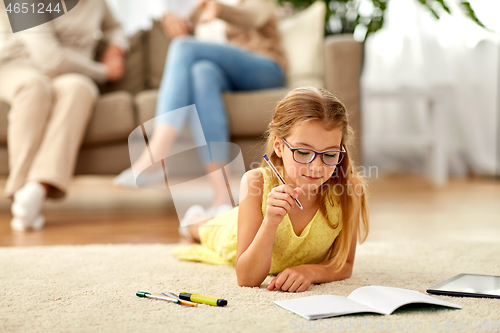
<point x="92" y="289"/>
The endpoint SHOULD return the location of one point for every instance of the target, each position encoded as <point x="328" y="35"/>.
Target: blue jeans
<point x="198" y="73"/>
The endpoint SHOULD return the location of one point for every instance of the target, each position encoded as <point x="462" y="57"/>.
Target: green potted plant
<point x="344" y="16"/>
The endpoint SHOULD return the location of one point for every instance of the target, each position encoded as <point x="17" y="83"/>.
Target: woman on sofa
<point x="47" y="75"/>
<point x="198" y="72"/>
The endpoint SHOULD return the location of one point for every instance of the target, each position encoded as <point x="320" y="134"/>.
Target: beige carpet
<point x="92" y="289"/>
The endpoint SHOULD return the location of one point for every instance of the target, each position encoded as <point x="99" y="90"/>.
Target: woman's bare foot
<point x="127" y="179"/>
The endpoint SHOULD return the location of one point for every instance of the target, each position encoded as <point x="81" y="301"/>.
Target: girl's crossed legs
<point x="198" y="73"/>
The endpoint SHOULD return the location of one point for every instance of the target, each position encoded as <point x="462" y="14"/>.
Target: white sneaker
<point x="22" y="224"/>
<point x="189" y="218"/>
<point x="197" y="213"/>
<point x="191" y="213"/>
<point x="126" y="179"/>
<point x="28" y="201"/>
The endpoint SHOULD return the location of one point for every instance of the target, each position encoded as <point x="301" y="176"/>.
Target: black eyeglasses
<point x="306" y="155"/>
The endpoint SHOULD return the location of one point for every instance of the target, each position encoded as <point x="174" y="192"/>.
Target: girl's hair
<point x="308" y="104"/>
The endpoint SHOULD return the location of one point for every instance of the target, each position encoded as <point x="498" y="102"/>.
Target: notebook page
<point x="388" y="299"/>
<point x="322" y="306"/>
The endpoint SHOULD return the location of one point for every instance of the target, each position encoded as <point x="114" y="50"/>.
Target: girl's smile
<point x="312" y="179"/>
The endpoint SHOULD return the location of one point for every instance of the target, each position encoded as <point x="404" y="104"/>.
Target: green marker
<point x="156" y="296"/>
<point x="202" y="299"/>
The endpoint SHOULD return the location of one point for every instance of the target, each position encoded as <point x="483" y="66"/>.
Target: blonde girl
<point x="309" y="141"/>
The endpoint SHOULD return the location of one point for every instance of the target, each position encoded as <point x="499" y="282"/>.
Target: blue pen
<point x="280" y="178"/>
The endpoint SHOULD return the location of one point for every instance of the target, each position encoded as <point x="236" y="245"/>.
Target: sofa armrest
<point x="4" y="110"/>
<point x="343" y="62"/>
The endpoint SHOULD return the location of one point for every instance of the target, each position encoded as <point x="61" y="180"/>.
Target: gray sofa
<point x="125" y="105"/>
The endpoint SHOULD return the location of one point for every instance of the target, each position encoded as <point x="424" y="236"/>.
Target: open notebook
<point x="374" y="299"/>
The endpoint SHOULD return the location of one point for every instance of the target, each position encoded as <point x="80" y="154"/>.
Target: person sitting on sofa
<point x="198" y="72"/>
<point x="47" y="75"/>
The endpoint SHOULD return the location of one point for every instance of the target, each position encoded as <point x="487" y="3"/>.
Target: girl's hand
<point x="294" y="279"/>
<point x="279" y="203"/>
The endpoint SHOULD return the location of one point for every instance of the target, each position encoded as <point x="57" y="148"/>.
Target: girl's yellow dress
<point x="218" y="237"/>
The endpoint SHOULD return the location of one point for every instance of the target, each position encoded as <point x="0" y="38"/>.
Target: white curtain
<point x="417" y="51"/>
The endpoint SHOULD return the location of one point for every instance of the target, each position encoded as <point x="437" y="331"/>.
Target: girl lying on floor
<point x="309" y="143"/>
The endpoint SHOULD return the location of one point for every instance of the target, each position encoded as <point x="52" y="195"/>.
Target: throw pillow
<point x="302" y="37"/>
<point x="157" y="49"/>
<point x="133" y="80"/>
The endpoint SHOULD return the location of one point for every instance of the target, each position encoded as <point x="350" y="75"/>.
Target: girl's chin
<point x="310" y="187"/>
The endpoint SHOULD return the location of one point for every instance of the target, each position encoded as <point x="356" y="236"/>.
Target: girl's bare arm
<point x="255" y="238"/>
<point x="255" y="233"/>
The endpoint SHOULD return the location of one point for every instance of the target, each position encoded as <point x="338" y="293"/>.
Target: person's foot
<point x="23" y="224"/>
<point x="193" y="216"/>
<point x="27" y="207"/>
<point x="196" y="214"/>
<point x="126" y="178"/>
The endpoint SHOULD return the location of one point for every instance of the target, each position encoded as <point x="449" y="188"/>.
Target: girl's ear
<point x="278" y="147"/>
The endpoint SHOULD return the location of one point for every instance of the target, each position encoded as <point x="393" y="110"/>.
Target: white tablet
<point x="469" y="285"/>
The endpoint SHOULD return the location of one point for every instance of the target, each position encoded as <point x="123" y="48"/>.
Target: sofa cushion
<point x="113" y="119"/>
<point x="103" y="160"/>
<point x="135" y="72"/>
<point x="4" y="111"/>
<point x="302" y="38"/>
<point x="156" y="53"/>
<point x="251" y="112"/>
<point x="4" y="160"/>
<point x="145" y="103"/>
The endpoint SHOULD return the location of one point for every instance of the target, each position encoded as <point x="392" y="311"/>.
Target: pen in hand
<point x="280" y="178"/>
